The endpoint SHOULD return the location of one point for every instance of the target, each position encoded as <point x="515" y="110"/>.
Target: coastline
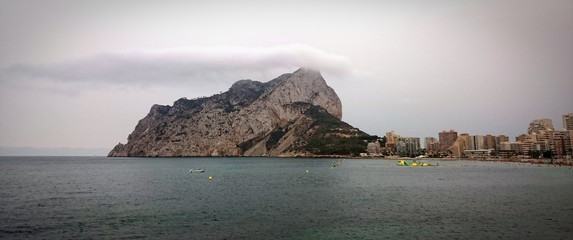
<point x="558" y="162"/>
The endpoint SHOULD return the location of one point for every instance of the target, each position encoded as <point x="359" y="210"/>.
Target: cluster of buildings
<point x="541" y="140"/>
<point x="394" y="144"/>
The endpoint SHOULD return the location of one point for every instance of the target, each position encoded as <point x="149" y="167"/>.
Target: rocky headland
<point x="295" y="114"/>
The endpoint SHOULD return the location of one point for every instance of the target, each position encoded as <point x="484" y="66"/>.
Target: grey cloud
<point x="174" y="66"/>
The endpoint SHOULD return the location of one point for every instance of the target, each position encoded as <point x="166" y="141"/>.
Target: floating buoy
<point x="210" y="178"/>
<point x="307" y="170"/>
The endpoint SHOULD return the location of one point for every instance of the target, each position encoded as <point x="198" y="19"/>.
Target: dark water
<point x="262" y="198"/>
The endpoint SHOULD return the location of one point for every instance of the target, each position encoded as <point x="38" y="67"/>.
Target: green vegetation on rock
<point x="333" y="136"/>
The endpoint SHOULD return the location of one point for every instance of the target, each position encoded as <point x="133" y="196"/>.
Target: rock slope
<point x="294" y="114"/>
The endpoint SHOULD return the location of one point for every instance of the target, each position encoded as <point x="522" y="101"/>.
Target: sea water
<point x="279" y="198"/>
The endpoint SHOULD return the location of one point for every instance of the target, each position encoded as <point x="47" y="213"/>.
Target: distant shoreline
<point x="558" y="162"/>
<point x="561" y="161"/>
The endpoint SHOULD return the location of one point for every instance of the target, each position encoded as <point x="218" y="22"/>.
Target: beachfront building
<point x="568" y="121"/>
<point x="511" y="146"/>
<point x="562" y="143"/>
<point x="490" y="142"/>
<point x="461" y="144"/>
<point x="540" y="141"/>
<point x="482" y="153"/>
<point x="374" y="149"/>
<point x="391" y="141"/>
<point x="521" y="138"/>
<point x="508" y="149"/>
<point x="501" y="138"/>
<point x="476" y="142"/>
<point x="539" y="125"/>
<point x="571" y="140"/>
<point x="432" y="145"/>
<point x="408" y="146"/>
<point x="528" y="143"/>
<point x="447" y="139"/>
<point x="544" y="141"/>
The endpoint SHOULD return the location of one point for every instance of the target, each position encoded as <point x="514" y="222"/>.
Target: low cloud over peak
<point x="167" y="67"/>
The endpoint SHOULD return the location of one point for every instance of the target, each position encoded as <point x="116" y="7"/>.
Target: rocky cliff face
<point x="289" y="115"/>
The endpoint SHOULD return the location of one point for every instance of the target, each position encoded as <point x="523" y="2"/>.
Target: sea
<point x="281" y="198"/>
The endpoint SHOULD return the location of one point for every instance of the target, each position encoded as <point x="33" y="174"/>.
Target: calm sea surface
<point x="268" y="198"/>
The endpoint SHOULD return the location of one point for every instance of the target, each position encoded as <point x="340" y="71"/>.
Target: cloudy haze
<point x="80" y="74"/>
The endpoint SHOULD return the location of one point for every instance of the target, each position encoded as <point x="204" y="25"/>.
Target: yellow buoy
<point x="210" y="178"/>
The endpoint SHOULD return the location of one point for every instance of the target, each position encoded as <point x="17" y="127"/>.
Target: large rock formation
<point x="294" y="114"/>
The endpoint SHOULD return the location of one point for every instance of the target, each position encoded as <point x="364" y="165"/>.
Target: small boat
<point x="199" y="170"/>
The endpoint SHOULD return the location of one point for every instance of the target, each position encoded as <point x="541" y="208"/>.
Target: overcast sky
<point x="80" y="74"/>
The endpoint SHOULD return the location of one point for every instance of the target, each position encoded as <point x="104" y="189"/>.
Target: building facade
<point x="447" y="139"/>
<point x="521" y="138"/>
<point x="568" y="121"/>
<point x="408" y="146"/>
<point x="490" y="142"/>
<point x="461" y="144"/>
<point x="562" y="143"/>
<point x="432" y="145"/>
<point x="537" y="125"/>
<point x="476" y="142"/>
<point x="373" y="148"/>
<point x="509" y="149"/>
<point x="502" y="138"/>
<point x="391" y="141"/>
